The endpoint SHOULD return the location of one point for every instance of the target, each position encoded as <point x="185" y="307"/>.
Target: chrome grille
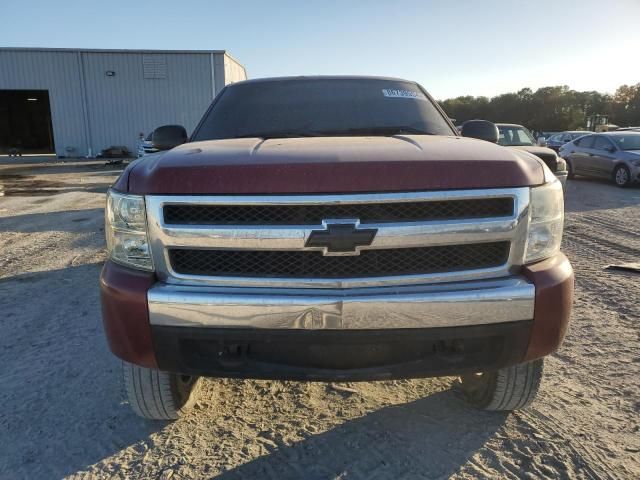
<point x="261" y="240"/>
<point x="314" y="214"/>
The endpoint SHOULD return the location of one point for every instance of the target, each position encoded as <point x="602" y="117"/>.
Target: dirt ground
<point x="63" y="412"/>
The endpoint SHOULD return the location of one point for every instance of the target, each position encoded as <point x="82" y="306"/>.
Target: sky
<point x="452" y="48"/>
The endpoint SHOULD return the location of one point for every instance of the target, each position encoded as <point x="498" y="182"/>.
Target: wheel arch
<point x="619" y="163"/>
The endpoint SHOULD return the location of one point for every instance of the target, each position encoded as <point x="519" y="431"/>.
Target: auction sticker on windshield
<point x="398" y="93"/>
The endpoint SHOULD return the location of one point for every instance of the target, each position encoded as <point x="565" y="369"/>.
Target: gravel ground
<point x="64" y="413"/>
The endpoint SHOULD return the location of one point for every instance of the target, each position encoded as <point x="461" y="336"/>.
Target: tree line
<point x="550" y="108"/>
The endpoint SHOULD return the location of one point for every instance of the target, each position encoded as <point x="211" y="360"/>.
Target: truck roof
<point x="321" y="77"/>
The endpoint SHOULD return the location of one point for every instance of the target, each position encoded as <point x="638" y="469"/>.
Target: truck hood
<point x="548" y="156"/>
<point x="534" y="149"/>
<point x="330" y="165"/>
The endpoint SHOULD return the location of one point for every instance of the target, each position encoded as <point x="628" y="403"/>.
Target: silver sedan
<point x="612" y="155"/>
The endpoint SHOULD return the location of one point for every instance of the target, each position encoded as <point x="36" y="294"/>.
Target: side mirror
<point x="169" y="136"/>
<point x="610" y="149"/>
<point x="481" y="129"/>
<point x="542" y="142"/>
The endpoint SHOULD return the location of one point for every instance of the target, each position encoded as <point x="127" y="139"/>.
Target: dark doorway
<point x="25" y="122"/>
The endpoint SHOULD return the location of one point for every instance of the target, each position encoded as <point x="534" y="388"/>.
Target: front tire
<point x="622" y="176"/>
<point x="158" y="395"/>
<point x="570" y="173"/>
<point x="508" y="388"/>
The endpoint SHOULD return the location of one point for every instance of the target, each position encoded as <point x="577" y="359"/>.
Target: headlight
<point x="126" y="231"/>
<point x="561" y="164"/>
<point x="546" y="217"/>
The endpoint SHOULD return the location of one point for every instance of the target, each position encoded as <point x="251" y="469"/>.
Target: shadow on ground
<point x="61" y="394"/>
<point x="64" y="410"/>
<point x="428" y="438"/>
<point x="86" y="220"/>
<point x="31" y="186"/>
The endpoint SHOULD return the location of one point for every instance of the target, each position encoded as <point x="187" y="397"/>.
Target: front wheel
<point x="158" y="395"/>
<point x="508" y="388"/>
<point x="622" y="176"/>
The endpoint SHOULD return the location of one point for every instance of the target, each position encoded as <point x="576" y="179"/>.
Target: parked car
<point x="516" y="136"/>
<point x="554" y="142"/>
<point x="333" y="229"/>
<point x="146" y="146"/>
<point x="541" y="137"/>
<point x="547" y="134"/>
<point x="612" y="155"/>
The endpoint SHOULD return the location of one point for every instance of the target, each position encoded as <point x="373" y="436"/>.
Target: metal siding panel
<point x="56" y="72"/>
<point x="123" y="105"/>
<point x="119" y="107"/>
<point x="233" y="71"/>
<point x="219" y="73"/>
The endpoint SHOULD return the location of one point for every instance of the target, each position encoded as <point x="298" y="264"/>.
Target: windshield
<point x="321" y="107"/>
<point x="514" y="136"/>
<point x="627" y="142"/>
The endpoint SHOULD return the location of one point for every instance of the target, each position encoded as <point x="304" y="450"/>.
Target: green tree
<point x="625" y="108"/>
<point x="552" y="108"/>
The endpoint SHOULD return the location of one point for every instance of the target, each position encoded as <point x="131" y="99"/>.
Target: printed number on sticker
<point x="396" y="93"/>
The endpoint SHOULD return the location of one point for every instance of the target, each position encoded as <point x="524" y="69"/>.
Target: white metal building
<point x="78" y="102"/>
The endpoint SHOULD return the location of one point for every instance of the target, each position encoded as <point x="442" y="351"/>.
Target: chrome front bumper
<point x="419" y="306"/>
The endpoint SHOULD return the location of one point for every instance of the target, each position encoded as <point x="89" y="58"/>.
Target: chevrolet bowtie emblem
<point x="341" y="238"/>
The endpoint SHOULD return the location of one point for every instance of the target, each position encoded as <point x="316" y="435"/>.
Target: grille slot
<point x="312" y="264"/>
<point x="188" y="214"/>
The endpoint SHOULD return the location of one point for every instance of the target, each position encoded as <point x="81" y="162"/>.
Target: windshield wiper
<point x="383" y="130"/>
<point x="280" y="134"/>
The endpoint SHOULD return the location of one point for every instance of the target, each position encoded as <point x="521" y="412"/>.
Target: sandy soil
<point x="63" y="412"/>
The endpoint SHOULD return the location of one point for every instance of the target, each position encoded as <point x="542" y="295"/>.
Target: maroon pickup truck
<point x="333" y="229"/>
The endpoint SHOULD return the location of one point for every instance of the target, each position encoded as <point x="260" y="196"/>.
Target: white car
<point x="146" y="147"/>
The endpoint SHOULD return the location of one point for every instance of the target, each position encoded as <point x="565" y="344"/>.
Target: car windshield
<point x="627" y="142"/>
<point x="321" y="107"/>
<point x="514" y="136"/>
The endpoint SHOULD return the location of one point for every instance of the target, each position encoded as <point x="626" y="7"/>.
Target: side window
<point x="585" y="142"/>
<point x="555" y="138"/>
<point x="601" y="143"/>
<point x="566" y="137"/>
